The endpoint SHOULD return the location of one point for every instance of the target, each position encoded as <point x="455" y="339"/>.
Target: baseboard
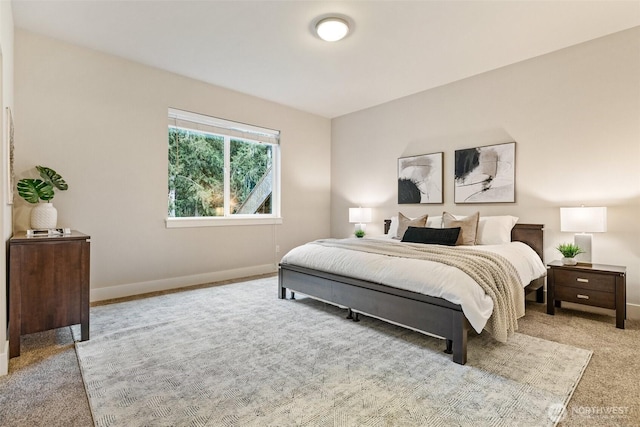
<point x="588" y="309"/>
<point x="4" y="358"/>
<point x="129" y="289"/>
<point x="633" y="311"/>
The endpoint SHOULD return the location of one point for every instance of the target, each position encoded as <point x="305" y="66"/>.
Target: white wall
<point x="100" y="121"/>
<point x="575" y="117"/>
<point x="6" y="96"/>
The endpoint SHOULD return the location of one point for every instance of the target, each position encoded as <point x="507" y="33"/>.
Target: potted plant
<point x="569" y="252"/>
<point x="359" y="233"/>
<point x="33" y="190"/>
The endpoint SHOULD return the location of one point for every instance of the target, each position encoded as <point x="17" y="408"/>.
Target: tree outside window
<point x="218" y="175"/>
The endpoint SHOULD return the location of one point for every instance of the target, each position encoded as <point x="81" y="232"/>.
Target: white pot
<point x="44" y="216"/>
<point x="569" y="261"/>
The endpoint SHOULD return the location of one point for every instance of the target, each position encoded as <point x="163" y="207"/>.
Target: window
<point x="221" y="170"/>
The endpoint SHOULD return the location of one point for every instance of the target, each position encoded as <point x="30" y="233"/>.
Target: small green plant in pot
<point x="569" y="252"/>
<point x="359" y="233"/>
<point x="33" y="190"/>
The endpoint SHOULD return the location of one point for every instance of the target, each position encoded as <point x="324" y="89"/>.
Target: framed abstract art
<point x="485" y="174"/>
<point x="420" y="179"/>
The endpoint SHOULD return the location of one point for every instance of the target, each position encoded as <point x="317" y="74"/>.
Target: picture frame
<point x="420" y="179"/>
<point x="11" y="180"/>
<point x="485" y="174"/>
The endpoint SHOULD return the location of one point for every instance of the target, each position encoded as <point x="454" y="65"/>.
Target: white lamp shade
<point x="332" y="29"/>
<point x="359" y="215"/>
<point x="583" y="219"/>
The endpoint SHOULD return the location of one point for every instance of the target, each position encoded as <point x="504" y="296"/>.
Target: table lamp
<point x="583" y="221"/>
<point x="360" y="216"/>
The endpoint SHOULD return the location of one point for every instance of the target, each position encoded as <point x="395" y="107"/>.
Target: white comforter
<point x="425" y="277"/>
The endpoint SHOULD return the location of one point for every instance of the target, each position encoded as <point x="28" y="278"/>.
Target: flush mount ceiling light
<point x="332" y="29"/>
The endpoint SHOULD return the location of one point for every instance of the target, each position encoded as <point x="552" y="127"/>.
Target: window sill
<point x="219" y="222"/>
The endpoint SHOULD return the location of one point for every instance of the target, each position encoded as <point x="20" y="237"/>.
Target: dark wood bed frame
<point x="432" y="315"/>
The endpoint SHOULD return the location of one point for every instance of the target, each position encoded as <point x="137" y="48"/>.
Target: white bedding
<point x="425" y="277"/>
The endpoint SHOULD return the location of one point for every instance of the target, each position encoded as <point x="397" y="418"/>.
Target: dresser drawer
<point x="586" y="296"/>
<point x="585" y="280"/>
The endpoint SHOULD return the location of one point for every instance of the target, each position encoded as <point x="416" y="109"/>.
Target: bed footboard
<point x="428" y="314"/>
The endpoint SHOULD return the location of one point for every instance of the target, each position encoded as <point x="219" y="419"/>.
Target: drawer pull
<point x="582" y="280"/>
<point x="583" y="296"/>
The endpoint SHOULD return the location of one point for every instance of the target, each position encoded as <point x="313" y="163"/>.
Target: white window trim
<point x="213" y="221"/>
<point x="228" y="219"/>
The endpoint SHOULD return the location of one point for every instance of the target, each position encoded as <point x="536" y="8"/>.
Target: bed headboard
<point x="530" y="234"/>
<point x="387" y="225"/>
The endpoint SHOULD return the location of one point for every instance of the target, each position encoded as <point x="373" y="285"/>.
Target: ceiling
<point x="267" y="48"/>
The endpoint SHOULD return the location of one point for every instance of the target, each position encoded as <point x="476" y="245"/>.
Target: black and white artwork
<point x="485" y="174"/>
<point x="420" y="179"/>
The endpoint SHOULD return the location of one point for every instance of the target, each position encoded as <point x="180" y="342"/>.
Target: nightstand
<point x="48" y="284"/>
<point x="597" y="285"/>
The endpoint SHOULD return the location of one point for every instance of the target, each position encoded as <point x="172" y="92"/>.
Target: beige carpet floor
<point x="44" y="386"/>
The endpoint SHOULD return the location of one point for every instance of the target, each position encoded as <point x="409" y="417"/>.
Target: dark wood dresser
<point x="48" y="284"/>
<point x="597" y="285"/>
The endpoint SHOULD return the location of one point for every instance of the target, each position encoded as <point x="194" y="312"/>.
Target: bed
<point x="432" y="315"/>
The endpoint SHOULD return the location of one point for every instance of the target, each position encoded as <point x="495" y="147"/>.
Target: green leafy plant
<point x="569" y="250"/>
<point x="34" y="189"/>
<point x="359" y="233"/>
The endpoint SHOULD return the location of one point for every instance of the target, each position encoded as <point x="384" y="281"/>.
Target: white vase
<point x="569" y="261"/>
<point x="44" y="216"/>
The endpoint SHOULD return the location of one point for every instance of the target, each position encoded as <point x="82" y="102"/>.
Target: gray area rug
<point x="235" y="355"/>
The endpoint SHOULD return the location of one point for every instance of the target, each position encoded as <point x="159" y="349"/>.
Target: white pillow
<point x="393" y="227"/>
<point x="434" y="222"/>
<point x="495" y="230"/>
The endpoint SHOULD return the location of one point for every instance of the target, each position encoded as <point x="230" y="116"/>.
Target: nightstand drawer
<point x="598" y="285"/>
<point x="586" y="280"/>
<point x="586" y="296"/>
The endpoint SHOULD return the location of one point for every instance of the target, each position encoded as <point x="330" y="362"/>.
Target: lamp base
<point x="361" y="226"/>
<point x="583" y="240"/>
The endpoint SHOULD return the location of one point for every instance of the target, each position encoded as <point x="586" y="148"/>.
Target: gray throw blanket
<point x="494" y="273"/>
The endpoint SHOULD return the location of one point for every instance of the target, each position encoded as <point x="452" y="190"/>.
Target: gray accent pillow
<point x="405" y="222"/>
<point x="468" y="227"/>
